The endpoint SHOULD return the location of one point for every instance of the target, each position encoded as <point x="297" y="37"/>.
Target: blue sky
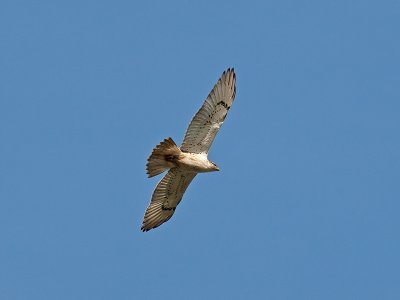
<point x="307" y="203"/>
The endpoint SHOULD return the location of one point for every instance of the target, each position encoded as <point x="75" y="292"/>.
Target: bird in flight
<point x="183" y="163"/>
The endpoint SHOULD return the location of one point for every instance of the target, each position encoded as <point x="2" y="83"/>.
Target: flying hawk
<point x="191" y="158"/>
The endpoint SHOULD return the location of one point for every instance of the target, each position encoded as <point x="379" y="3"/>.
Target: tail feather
<point x="162" y="157"/>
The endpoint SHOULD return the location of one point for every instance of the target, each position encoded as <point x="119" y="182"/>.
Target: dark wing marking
<point x="205" y="124"/>
<point x="166" y="197"/>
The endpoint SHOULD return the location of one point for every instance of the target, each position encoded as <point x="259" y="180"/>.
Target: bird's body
<point x="191" y="158"/>
<point x="193" y="162"/>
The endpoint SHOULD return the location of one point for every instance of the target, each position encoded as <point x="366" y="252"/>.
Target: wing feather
<point x="205" y="124"/>
<point x="166" y="197"/>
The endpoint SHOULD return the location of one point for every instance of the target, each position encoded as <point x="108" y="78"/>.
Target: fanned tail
<point x="162" y="157"/>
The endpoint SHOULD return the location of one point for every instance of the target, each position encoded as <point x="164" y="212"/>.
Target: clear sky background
<point x="307" y="203"/>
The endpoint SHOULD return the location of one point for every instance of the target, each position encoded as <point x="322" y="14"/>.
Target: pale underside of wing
<point x="205" y="124"/>
<point x="166" y="197"/>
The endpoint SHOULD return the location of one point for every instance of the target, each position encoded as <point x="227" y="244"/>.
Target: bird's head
<point x="214" y="167"/>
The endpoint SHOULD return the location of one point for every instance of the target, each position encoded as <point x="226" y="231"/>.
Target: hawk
<point x="183" y="163"/>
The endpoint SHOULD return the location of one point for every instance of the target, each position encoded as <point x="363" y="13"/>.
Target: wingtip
<point x="146" y="227"/>
<point x="230" y="73"/>
<point x="230" y="70"/>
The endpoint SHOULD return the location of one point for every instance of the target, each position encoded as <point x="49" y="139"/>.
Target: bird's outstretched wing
<point x="205" y="124"/>
<point x="166" y="197"/>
